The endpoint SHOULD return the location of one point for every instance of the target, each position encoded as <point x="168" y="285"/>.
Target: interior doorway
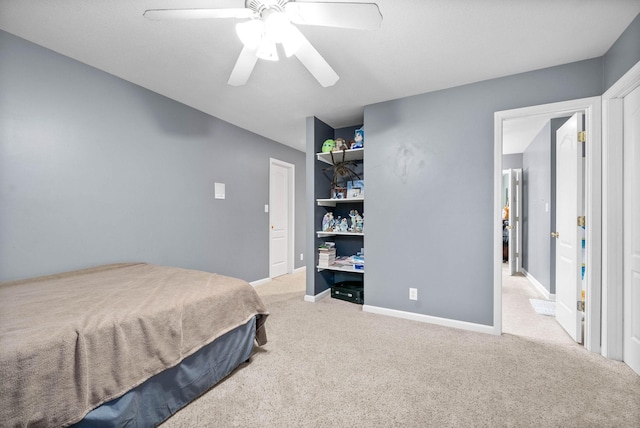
<point x="281" y="217"/>
<point x="591" y="109"/>
<point x="528" y="293"/>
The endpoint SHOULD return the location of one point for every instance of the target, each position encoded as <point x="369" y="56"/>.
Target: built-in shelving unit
<point x="322" y="272"/>
<point x="342" y="242"/>
<point x="334" y="202"/>
<point x="349" y="155"/>
<point x="322" y="234"/>
<point x="339" y="268"/>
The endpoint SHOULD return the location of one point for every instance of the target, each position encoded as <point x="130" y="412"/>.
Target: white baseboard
<point x="463" y="325"/>
<point x="538" y="286"/>
<point x="267" y="280"/>
<point x="318" y="296"/>
<point x="260" y="282"/>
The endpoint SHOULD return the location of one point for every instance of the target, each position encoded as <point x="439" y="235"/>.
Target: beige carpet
<point x="518" y="316"/>
<point x="328" y="364"/>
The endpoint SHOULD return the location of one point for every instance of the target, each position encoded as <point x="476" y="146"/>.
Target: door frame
<point x="518" y="172"/>
<point x="291" y="173"/>
<point x="593" y="209"/>
<point x="518" y="208"/>
<point x="612" y="212"/>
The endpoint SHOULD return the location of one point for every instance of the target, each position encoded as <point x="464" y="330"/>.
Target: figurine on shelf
<point x="358" y="139"/>
<point x="341" y="144"/>
<point x="328" y="146"/>
<point x="344" y="225"/>
<point x="360" y="223"/>
<point x="328" y="222"/>
<point x="355" y="217"/>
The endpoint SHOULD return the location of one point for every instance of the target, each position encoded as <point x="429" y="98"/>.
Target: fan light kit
<point x="266" y="23"/>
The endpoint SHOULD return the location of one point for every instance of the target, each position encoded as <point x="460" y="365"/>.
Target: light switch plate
<point x="219" y="190"/>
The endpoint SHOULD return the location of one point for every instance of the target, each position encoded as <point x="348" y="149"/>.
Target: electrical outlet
<point x="301" y="256"/>
<point x="413" y="294"/>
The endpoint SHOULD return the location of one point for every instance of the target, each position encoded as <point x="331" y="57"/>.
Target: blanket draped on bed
<point x="73" y="341"/>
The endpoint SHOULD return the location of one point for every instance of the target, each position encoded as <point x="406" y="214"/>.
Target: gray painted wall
<point x="317" y="188"/>
<point x="536" y="226"/>
<point x="512" y="161"/>
<point x="429" y="168"/>
<point x="623" y="55"/>
<point x="429" y="163"/>
<point x="96" y="170"/>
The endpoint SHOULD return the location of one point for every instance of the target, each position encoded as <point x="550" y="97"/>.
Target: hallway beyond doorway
<point x="518" y="316"/>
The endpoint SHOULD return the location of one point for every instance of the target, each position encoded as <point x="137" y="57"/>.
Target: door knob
<point x="555" y="235"/>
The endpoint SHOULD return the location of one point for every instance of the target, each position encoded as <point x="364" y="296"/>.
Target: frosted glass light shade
<point x="276" y="26"/>
<point x="267" y="50"/>
<point x="263" y="34"/>
<point x="250" y="33"/>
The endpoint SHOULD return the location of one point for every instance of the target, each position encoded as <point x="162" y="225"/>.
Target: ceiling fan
<point x="265" y="23"/>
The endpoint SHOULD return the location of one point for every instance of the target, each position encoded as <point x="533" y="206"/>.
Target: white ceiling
<point x="422" y="46"/>
<point x="519" y="132"/>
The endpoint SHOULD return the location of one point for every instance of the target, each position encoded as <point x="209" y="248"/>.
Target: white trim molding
<point x="260" y="282"/>
<point x="317" y="297"/>
<point x="538" y="286"/>
<point x="612" y="212"/>
<point x="462" y="325"/>
<point x="593" y="208"/>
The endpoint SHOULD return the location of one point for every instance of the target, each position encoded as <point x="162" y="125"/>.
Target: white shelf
<point x="333" y="202"/>
<point x="340" y="269"/>
<point x="321" y="234"/>
<point x="349" y="155"/>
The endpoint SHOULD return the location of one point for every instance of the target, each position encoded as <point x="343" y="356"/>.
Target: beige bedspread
<point x="72" y="341"/>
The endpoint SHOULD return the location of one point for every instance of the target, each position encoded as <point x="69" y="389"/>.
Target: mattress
<point x="73" y="341"/>
<point x="162" y="395"/>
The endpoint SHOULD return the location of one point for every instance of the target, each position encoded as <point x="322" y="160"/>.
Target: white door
<point x="631" y="235"/>
<point x="280" y="194"/>
<point x="514" y="194"/>
<point x="569" y="205"/>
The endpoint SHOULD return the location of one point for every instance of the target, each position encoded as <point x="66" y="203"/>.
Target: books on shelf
<point x="326" y="254"/>
<point x="356" y="261"/>
<point x="327" y="258"/>
<point x="325" y="263"/>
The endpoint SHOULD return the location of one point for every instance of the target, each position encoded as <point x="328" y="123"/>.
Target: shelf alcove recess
<point x="321" y="234"/>
<point x="321" y="278"/>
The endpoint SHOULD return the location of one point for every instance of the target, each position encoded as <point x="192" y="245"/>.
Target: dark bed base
<point x="153" y="401"/>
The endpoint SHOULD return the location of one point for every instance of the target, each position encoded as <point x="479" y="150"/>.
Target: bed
<point x="122" y="344"/>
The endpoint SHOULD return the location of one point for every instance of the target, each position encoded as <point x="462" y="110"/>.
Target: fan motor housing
<point x="259" y="6"/>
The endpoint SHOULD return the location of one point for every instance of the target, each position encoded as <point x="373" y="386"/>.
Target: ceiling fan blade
<point x="158" y="14"/>
<point x="315" y="63"/>
<point x="359" y="16"/>
<point x="244" y="67"/>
